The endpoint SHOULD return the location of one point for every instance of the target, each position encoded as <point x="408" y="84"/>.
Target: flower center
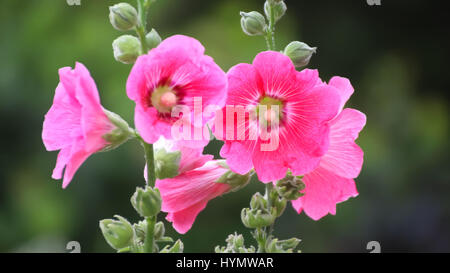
<point x="164" y="99"/>
<point x="269" y="111"/>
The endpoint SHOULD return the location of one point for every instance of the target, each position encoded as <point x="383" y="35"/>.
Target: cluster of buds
<point x="235" y="244"/>
<point x="254" y="23"/>
<point x="126" y="237"/>
<point x="127" y="48"/>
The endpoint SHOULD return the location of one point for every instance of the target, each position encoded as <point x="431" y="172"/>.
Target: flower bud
<point x="300" y="53"/>
<point x="258" y="218"/>
<point x="140" y="229"/>
<point x="123" y="16"/>
<point x="258" y="202"/>
<point x="278" y="8"/>
<point x="253" y="23"/>
<point x="167" y="163"/>
<point x="120" y="134"/>
<point x="147" y="202"/>
<point x="176" y="248"/>
<point x="127" y="49"/>
<point x="118" y="234"/>
<point x="160" y="230"/>
<point x="290" y="187"/>
<point x="153" y="39"/>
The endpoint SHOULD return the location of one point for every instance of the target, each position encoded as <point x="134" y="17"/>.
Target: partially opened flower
<point x="292" y="127"/>
<point x="332" y="182"/>
<point x="186" y="194"/>
<point x="175" y="76"/>
<point x="77" y="124"/>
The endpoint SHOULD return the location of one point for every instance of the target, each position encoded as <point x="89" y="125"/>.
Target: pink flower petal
<point x="323" y="191"/>
<point x="344" y="157"/>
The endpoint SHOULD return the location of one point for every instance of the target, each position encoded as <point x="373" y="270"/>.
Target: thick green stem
<point x="148" y="242"/>
<point x="151" y="180"/>
<point x="270" y="36"/>
<point x="150" y="161"/>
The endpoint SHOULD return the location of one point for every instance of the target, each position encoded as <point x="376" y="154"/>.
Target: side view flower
<point x="77" y="124"/>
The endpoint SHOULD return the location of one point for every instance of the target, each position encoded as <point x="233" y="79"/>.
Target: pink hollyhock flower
<point x="302" y="119"/>
<point x="175" y="74"/>
<point x="185" y="195"/>
<point x="76" y="124"/>
<point x="332" y="182"/>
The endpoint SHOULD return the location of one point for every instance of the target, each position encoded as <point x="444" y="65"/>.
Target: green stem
<point x="148" y="242"/>
<point x="150" y="161"/>
<point x="270" y="37"/>
<point x="151" y="180"/>
<point x="141" y="31"/>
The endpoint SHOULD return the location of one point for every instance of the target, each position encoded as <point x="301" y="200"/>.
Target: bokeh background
<point x="396" y="56"/>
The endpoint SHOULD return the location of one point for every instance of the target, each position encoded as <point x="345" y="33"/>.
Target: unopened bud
<point x="123" y="16"/>
<point x="278" y="9"/>
<point x="118" y="234"/>
<point x="127" y="49"/>
<point x="300" y="53"/>
<point x="258" y="218"/>
<point x="160" y="230"/>
<point x="153" y="39"/>
<point x="258" y="202"/>
<point x="253" y="23"/>
<point x="147" y="202"/>
<point x="167" y="163"/>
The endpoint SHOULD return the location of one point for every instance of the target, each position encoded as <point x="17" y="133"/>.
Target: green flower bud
<point x="140" y="229"/>
<point x="290" y="187"/>
<point x="160" y="230"/>
<point x="300" y="53"/>
<point x="176" y="248"/>
<point x="167" y="163"/>
<point x="118" y="234"/>
<point x="123" y="16"/>
<point x="253" y="23"/>
<point x="278" y="8"/>
<point x="147" y="202"/>
<point x="127" y="49"/>
<point x="153" y="39"/>
<point x="253" y="218"/>
<point x="258" y="202"/>
<point x="120" y="134"/>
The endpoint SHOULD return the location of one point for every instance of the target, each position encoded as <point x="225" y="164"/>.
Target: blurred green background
<point x="395" y="55"/>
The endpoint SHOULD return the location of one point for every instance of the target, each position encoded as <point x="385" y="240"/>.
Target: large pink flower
<point x="185" y="195"/>
<point x="305" y="110"/>
<point x="175" y="74"/>
<point x="76" y="122"/>
<point x="332" y="182"/>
